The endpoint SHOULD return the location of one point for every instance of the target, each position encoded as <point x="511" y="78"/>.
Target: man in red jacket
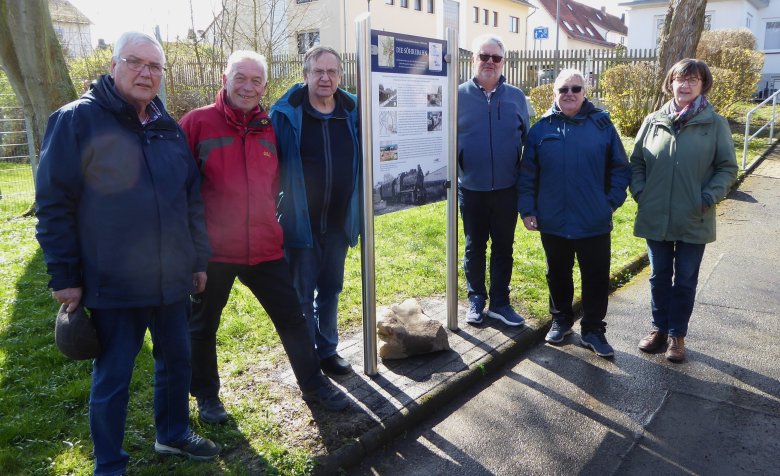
<point x="233" y="142"/>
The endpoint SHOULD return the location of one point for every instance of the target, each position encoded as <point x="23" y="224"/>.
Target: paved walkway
<point x="731" y="334"/>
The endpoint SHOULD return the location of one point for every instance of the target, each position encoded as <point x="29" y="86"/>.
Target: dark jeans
<point x="489" y="215"/>
<point x="121" y="333"/>
<point x="674" y="275"/>
<point x="271" y="284"/>
<point x="593" y="256"/>
<point x="318" y="277"/>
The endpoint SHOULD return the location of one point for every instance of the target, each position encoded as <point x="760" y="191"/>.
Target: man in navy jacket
<point x="120" y="222"/>
<point x="492" y="126"/>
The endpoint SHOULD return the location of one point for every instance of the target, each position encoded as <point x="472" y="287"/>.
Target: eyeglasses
<point x="332" y="73"/>
<point x="138" y="66"/>
<point x="574" y="89"/>
<point x="690" y="81"/>
<point x="484" y="58"/>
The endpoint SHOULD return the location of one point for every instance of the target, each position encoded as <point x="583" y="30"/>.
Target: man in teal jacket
<point x="319" y="208"/>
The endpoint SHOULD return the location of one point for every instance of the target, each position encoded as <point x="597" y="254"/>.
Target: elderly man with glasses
<point x="120" y="222"/>
<point x="316" y="126"/>
<point x="492" y="127"/>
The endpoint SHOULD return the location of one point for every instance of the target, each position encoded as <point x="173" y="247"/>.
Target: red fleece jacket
<point x="236" y="154"/>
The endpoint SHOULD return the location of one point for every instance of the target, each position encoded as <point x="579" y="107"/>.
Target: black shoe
<point x="211" y="410"/>
<point x="192" y="446"/>
<point x="328" y="396"/>
<point x="335" y="365"/>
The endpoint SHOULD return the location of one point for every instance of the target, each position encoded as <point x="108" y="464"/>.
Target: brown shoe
<point x="676" y="350"/>
<point x="652" y="342"/>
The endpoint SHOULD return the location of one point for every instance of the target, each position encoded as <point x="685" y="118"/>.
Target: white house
<point x="580" y="27"/>
<point x="762" y="17"/>
<point x="72" y="28"/>
<point x="300" y="24"/>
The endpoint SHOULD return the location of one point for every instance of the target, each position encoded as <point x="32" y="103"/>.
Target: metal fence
<point x="16" y="177"/>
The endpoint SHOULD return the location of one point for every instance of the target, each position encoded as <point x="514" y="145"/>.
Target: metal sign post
<point x="363" y="35"/>
<point x="452" y="176"/>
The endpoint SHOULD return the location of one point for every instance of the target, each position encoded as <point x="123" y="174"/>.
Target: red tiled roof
<point x="577" y="14"/>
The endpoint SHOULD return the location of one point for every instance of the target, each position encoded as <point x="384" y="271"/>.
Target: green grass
<point x="43" y="396"/>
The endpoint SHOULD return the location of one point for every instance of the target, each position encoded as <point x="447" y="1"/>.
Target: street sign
<point x="541" y="33"/>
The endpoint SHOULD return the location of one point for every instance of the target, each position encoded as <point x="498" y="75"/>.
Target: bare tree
<point x="31" y="56"/>
<point x="679" y="37"/>
<point x="265" y="26"/>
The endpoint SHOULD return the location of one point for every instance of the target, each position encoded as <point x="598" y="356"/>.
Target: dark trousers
<point x="674" y="275"/>
<point x="489" y="215"/>
<point x="121" y="333"/>
<point x="593" y="256"/>
<point x="271" y="284"/>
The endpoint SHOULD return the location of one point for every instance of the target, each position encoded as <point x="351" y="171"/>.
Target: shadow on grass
<point x="44" y="399"/>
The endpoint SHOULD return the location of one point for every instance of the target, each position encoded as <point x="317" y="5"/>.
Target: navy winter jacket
<point x="119" y="206"/>
<point x="286" y="117"/>
<point x="490" y="136"/>
<point x="574" y="173"/>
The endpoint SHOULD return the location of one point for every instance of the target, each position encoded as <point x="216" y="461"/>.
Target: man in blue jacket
<point x="319" y="209"/>
<point x="492" y="127"/>
<point x="120" y="222"/>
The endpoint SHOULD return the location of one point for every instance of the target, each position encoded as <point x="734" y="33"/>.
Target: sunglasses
<point x="496" y="58"/>
<point x="574" y="89"/>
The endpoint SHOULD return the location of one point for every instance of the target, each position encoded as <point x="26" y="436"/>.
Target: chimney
<point x="623" y="18"/>
<point x="603" y="10"/>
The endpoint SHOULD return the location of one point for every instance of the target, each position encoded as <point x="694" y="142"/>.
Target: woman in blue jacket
<point x="573" y="176"/>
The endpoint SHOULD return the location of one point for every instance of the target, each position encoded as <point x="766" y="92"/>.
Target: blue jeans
<point x="673" y="279"/>
<point x="490" y="215"/>
<point x="121" y="333"/>
<point x="318" y="277"/>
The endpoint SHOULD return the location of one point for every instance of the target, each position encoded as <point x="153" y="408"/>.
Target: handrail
<point x="770" y="123"/>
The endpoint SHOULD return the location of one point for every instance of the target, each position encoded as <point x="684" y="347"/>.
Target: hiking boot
<point x="676" y="350"/>
<point x="559" y="329"/>
<point x="211" y="410"/>
<point x="597" y="341"/>
<point x="328" y="396"/>
<point x="653" y="341"/>
<point x="192" y="446"/>
<point x="507" y="315"/>
<point x="476" y="310"/>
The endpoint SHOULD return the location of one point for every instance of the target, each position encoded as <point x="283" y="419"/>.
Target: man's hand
<point x="69" y="296"/>
<point x="530" y="223"/>
<point x="199" y="282"/>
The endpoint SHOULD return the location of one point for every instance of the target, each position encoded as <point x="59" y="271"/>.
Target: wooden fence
<point x="525" y="69"/>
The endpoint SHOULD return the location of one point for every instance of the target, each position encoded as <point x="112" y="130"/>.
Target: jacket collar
<point x="298" y="92"/>
<point x="586" y="110"/>
<point x="103" y="91"/>
<point x="256" y="118"/>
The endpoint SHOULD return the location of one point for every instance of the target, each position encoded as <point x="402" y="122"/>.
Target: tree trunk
<point x="679" y="38"/>
<point x="32" y="58"/>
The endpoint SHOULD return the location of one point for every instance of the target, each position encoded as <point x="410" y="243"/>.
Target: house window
<point x="404" y="3"/>
<point x="418" y="5"/>
<point x="659" y="27"/>
<point x="514" y="24"/>
<point x="486" y="14"/>
<point x="495" y="18"/>
<point x="708" y="22"/>
<point x="307" y="39"/>
<point x="390" y="2"/>
<point x="749" y="21"/>
<point x="772" y="35"/>
<point x="430" y="6"/>
<point x="476" y="14"/>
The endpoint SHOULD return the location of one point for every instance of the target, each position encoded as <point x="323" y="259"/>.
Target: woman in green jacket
<point x="682" y="164"/>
